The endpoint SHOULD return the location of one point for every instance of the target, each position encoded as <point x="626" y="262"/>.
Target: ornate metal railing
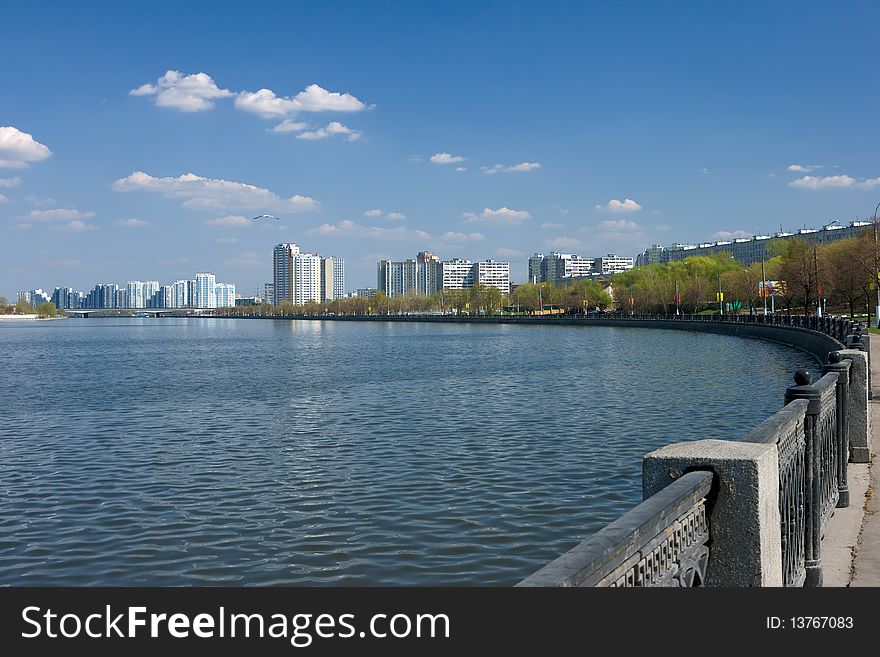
<point x="664" y="541"/>
<point x="821" y="459"/>
<point x="785" y="429"/>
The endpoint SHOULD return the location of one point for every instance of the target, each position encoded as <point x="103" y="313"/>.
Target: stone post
<point x="744" y="522"/>
<point x="859" y="417"/>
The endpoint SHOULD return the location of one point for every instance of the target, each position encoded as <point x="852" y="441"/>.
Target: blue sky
<point x="580" y="127"/>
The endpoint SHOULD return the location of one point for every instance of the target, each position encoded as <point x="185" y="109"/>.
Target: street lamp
<point x="876" y="268"/>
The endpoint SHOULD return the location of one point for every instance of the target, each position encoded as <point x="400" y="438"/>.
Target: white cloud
<point x="348" y="228"/>
<point x="4" y="199"/>
<point x="18" y="149"/>
<point x="503" y="216"/>
<point x="289" y="125"/>
<point x="209" y="193"/>
<point x="619" y="225"/>
<point x="395" y="216"/>
<point x="726" y="235"/>
<point x="500" y="168"/>
<point x="231" y="220"/>
<point x="332" y="128"/>
<point x="130" y="223"/>
<point x="187" y="93"/>
<point x="314" y="98"/>
<point x="460" y="169"/>
<point x="803" y="168"/>
<point x="76" y="226"/>
<point x="564" y="243"/>
<point x="834" y="182"/>
<point x="373" y="213"/>
<point x="524" y="166"/>
<point x="462" y="237"/>
<point x="10" y="182"/>
<point x="551" y="225"/>
<point x="618" y="207"/>
<point x="446" y="158"/>
<point x="59" y="214"/>
<point x="508" y="253"/>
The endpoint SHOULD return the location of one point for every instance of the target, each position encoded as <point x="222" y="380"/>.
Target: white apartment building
<point x="224" y="294"/>
<point x="458" y="274"/>
<point x="613" y="264"/>
<point x="205" y="291"/>
<point x="306" y="278"/>
<point x="493" y="274"/>
<point x="180" y="297"/>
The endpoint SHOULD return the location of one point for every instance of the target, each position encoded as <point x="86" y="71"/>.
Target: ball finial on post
<point x="803" y="377"/>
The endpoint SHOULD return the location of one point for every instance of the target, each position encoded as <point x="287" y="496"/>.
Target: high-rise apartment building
<point x="303" y="277"/>
<point x="282" y="268"/>
<point x="224" y="295"/>
<point x="205" y="295"/>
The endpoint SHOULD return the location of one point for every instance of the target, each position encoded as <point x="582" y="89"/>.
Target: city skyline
<point x="606" y="135"/>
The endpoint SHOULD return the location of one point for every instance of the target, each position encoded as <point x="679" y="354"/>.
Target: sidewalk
<point x="866" y="564"/>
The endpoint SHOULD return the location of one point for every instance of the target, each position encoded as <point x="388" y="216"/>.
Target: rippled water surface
<point x="210" y="451"/>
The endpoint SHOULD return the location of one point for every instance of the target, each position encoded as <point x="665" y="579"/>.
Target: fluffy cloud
<point x="10" y="182"/>
<point x="446" y="158"/>
<point x="834" y="182"/>
<point x="460" y="169"/>
<point x="462" y="237"/>
<point x="564" y="243"/>
<point x="508" y="253"/>
<point x="348" y="228"/>
<point x="231" y="220"/>
<point x="500" y="168"/>
<point x="620" y="225"/>
<point x="76" y="226"/>
<point x="59" y="214"/>
<point x="18" y="149"/>
<point x="726" y="235"/>
<point x="619" y="207"/>
<point x="803" y="168"/>
<point x="314" y="98"/>
<point x="332" y="128"/>
<point x="289" y="125"/>
<point x="503" y="216"/>
<point x="391" y="216"/>
<point x="210" y="193"/>
<point x="130" y="223"/>
<point x="187" y="93"/>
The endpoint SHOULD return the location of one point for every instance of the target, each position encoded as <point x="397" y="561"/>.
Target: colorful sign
<point x="771" y="289"/>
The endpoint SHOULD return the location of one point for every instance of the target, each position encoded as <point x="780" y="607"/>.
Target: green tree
<point x="46" y="309"/>
<point x="22" y="307"/>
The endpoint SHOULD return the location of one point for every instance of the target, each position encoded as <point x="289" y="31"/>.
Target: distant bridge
<point x="85" y="312"/>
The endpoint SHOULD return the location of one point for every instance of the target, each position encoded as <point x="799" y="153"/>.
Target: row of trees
<point x="840" y="274"/>
<point x="479" y="300"/>
<point x="22" y="307"/>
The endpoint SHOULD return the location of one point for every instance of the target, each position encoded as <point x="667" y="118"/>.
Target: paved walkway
<point x="866" y="561"/>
